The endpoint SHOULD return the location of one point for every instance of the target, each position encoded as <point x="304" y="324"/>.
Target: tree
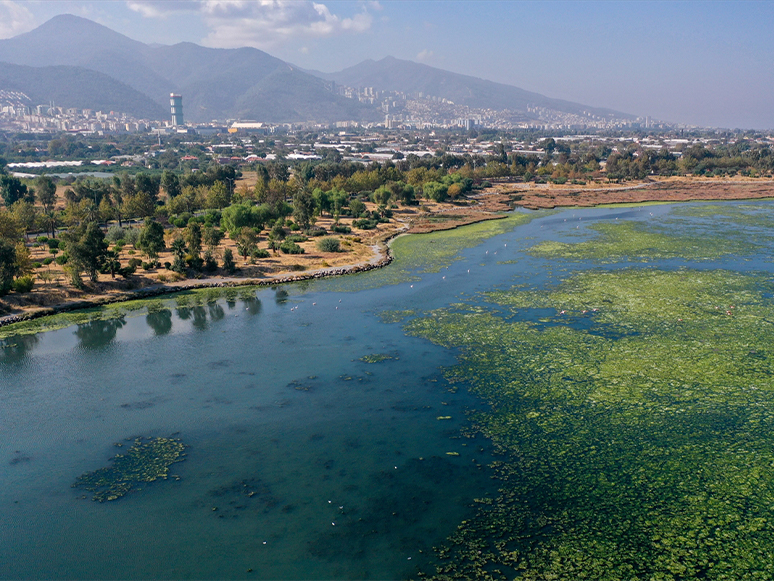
<point x="435" y="191"/>
<point x="246" y="242"/>
<point x="193" y="236"/>
<point x="171" y="184"/>
<point x="26" y="214"/>
<point x="212" y="237"/>
<point x="303" y="208"/>
<point x="151" y="240"/>
<point x="179" y="251"/>
<point x="12" y="190"/>
<point x="87" y="249"/>
<point x="228" y="261"/>
<point x="219" y="196"/>
<point x="46" y="189"/>
<point x="357" y="207"/>
<point x="8" y="269"/>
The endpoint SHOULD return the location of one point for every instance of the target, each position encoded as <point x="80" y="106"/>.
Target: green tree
<point x="219" y="196"/>
<point x="246" y="242"/>
<point x="357" y="207"/>
<point x="151" y="240"/>
<point x="46" y="190"/>
<point x="8" y="268"/>
<point x="193" y="237"/>
<point x="228" y="261"/>
<point x="26" y="214"/>
<point x="171" y="184"/>
<point x="12" y="190"/>
<point x="86" y="249"/>
<point x="303" y="208"/>
<point x="212" y="237"/>
<point x="179" y="251"/>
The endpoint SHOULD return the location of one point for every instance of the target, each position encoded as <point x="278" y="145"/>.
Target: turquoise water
<point x="348" y="461"/>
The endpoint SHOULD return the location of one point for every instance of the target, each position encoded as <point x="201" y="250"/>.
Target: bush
<point x="291" y="248"/>
<point x="53" y="243"/>
<point x="260" y="253"/>
<point x="365" y="224"/>
<point x="314" y="232"/>
<point x="41" y="239"/>
<point x="23" y="284"/>
<point x="134" y="263"/>
<point x="132" y="235"/>
<point x="296" y="238"/>
<point x="36" y="265"/>
<point x="61" y="260"/>
<point x="126" y="271"/>
<point x="114" y="233"/>
<point x="48" y="260"/>
<point x="179" y="223"/>
<point x="328" y="244"/>
<point x="210" y="262"/>
<point x="148" y="265"/>
<point x="228" y="261"/>
<point x="341" y="229"/>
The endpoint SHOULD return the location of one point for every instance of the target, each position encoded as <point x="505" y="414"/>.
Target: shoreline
<point x="381" y="258"/>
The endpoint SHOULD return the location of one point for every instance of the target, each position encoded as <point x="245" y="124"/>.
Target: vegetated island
<point x="348" y="248"/>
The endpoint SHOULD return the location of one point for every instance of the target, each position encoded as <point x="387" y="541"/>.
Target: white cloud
<point x="163" y="8"/>
<point x="14" y="19"/>
<point x="261" y="23"/>
<point x="425" y="55"/>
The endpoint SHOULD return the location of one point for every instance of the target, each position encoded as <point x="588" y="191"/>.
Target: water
<point x="348" y="461"/>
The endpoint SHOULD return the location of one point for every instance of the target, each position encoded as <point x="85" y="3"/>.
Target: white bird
<point x="314" y="304"/>
<point x="443" y="277"/>
<point x="412" y="286"/>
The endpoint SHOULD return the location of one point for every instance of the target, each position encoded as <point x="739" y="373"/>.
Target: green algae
<point x="147" y="460"/>
<point x="639" y="242"/>
<point x="634" y="444"/>
<point x="395" y="316"/>
<point x="415" y="254"/>
<point x="376" y="358"/>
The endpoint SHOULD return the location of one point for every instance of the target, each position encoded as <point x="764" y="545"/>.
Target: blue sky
<point x="704" y="63"/>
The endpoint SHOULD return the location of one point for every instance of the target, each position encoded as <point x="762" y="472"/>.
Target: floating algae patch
<point x="641" y="454"/>
<point x="395" y="316"/>
<point x="422" y="253"/>
<point x="638" y="242"/>
<point x="147" y="460"/>
<point x="376" y="358"/>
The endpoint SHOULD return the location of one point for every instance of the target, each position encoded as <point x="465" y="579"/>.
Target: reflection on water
<point x="98" y="333"/>
<point x="15" y="349"/>
<point x="160" y="321"/>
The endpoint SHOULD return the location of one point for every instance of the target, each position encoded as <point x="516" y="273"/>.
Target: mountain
<point x="391" y="74"/>
<point x="78" y="88"/>
<point x="215" y="83"/>
<point x="110" y="71"/>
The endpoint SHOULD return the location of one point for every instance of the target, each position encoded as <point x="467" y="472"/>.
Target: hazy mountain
<point x="215" y="83"/>
<point x="241" y="83"/>
<point x="410" y="77"/>
<point x="78" y="88"/>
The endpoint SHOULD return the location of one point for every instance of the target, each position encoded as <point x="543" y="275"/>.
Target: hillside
<point x="243" y="83"/>
<point x="78" y="88"/>
<point x="391" y="74"/>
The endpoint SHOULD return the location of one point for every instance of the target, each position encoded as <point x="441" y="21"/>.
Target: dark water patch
<point x="240" y="498"/>
<point x="19" y="458"/>
<point x="220" y="364"/>
<point x="142" y="404"/>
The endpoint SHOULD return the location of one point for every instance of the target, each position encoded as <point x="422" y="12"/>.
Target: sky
<point x="706" y="63"/>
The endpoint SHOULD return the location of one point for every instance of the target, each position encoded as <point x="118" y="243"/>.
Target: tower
<point x="176" y="104"/>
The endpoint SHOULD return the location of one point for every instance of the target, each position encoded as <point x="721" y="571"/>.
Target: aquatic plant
<point x="147" y="460"/>
<point x="635" y="426"/>
<point x="376" y="358"/>
<point x="639" y="242"/>
<point x="395" y="316"/>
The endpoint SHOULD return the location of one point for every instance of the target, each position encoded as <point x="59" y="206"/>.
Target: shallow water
<point x="347" y="461"/>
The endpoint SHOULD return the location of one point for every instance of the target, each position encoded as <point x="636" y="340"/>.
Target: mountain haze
<point x="395" y="74"/>
<point x="244" y="83"/>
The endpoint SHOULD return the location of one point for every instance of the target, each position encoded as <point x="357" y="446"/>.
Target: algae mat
<point x="635" y="426"/>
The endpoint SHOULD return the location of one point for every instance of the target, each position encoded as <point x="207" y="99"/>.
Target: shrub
<point x="296" y="238"/>
<point x="36" y="265"/>
<point x="341" y="229"/>
<point x="179" y="222"/>
<point x="132" y="235"/>
<point x="210" y="262"/>
<point x="126" y="271"/>
<point x="134" y="263"/>
<point x="228" y="261"/>
<point x="291" y="248"/>
<point x="48" y="260"/>
<point x="41" y="239"/>
<point x="114" y="233"/>
<point x="61" y="260"/>
<point x="328" y="244"/>
<point x="148" y="265"/>
<point x="260" y="253"/>
<point x="365" y="224"/>
<point x="313" y="232"/>
<point x="23" y="284"/>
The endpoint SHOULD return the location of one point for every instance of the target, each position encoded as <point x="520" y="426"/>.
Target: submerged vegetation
<point x="635" y="426"/>
<point x="145" y="461"/>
